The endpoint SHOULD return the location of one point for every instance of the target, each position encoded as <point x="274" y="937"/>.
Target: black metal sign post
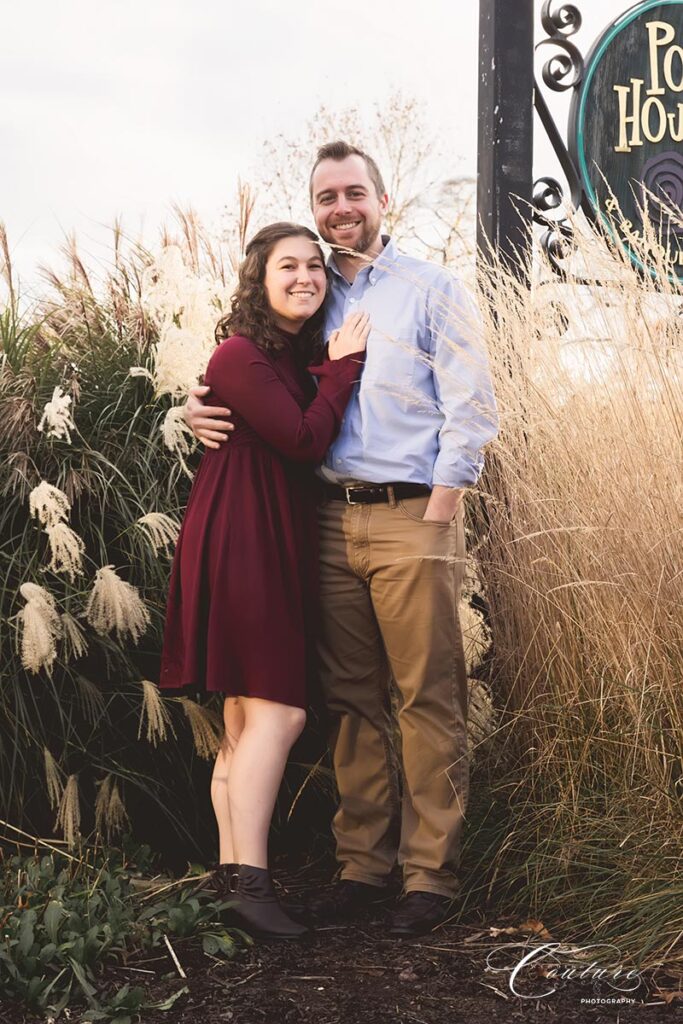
<point x="506" y="89"/>
<point x="621" y="156"/>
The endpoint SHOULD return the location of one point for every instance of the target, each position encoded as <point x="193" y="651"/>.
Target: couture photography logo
<point x="537" y="972"/>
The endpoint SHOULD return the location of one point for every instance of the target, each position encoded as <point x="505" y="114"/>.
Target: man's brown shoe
<point x="344" y="900"/>
<point x="419" y="912"/>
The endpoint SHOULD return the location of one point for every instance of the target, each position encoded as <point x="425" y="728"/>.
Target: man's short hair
<point x="339" y="150"/>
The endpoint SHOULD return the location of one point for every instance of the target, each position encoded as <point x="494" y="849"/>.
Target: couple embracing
<point x="323" y="547"/>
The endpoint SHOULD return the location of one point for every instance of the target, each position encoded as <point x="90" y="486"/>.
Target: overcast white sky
<point x="121" y="108"/>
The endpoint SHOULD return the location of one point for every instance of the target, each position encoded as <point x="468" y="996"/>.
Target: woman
<point x="243" y="585"/>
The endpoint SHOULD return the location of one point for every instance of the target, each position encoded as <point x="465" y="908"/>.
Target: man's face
<point x="347" y="210"/>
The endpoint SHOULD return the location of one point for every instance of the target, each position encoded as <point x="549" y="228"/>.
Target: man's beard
<point x="367" y="238"/>
<point x="370" y="234"/>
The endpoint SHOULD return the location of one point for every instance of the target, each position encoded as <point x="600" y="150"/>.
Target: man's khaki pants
<point x="390" y="586"/>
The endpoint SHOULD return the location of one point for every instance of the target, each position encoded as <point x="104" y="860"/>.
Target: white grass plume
<point x="75" y="645"/>
<point x="161" y="530"/>
<point x="116" y="605"/>
<point x="186" y="307"/>
<point x="206" y="733"/>
<point x="111" y="816"/>
<point x="40" y="628"/>
<point x="56" y="419"/>
<point x="155" y="711"/>
<point x="67" y="550"/>
<point x="176" y="431"/>
<point x="48" y="504"/>
<point x="69" y="813"/>
<point x="53" y="780"/>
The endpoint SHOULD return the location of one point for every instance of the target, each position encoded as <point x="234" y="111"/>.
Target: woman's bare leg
<point x="233" y="719"/>
<point x="258" y="762"/>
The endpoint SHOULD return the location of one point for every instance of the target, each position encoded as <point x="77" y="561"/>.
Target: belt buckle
<point x="347" y="490"/>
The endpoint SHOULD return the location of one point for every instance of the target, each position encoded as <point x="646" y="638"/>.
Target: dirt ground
<point x="354" y="974"/>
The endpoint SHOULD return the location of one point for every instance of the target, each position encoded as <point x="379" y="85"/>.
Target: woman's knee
<point x="284" y="720"/>
<point x="273" y="721"/>
<point x="296" y="720"/>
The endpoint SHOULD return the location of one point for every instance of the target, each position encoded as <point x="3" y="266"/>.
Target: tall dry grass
<point x="581" y="559"/>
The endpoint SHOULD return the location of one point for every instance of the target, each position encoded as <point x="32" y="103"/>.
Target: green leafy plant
<point x="64" y="919"/>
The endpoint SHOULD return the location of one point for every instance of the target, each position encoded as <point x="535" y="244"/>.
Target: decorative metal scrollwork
<point x="565" y="21"/>
<point x="548" y="194"/>
<point x="556" y="241"/>
<point x="557" y="244"/>
<point x="563" y="70"/>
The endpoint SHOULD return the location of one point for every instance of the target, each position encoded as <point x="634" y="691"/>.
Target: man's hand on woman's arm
<point x="208" y="423"/>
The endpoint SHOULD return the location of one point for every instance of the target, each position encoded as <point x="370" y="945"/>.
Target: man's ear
<point x="384" y="203"/>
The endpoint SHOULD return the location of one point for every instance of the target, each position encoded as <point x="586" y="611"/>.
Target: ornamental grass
<point x="581" y="561"/>
<point x="94" y="474"/>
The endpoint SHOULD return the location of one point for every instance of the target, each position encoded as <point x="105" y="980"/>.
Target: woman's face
<point x="295" y="281"/>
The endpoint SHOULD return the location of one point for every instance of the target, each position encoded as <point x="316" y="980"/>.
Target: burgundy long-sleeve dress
<point x="243" y="589"/>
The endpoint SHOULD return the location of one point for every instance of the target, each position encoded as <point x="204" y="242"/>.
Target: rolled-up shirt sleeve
<point x="462" y="382"/>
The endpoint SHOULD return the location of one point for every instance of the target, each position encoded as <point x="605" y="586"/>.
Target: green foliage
<point x="64" y="919"/>
<point x="114" y="467"/>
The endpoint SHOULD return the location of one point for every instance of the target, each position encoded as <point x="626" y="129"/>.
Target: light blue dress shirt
<point x="425" y="404"/>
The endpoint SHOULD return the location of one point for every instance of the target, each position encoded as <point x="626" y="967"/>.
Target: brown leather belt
<point x="372" y="494"/>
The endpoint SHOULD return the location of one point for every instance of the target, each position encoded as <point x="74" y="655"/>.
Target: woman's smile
<point x="295" y="281"/>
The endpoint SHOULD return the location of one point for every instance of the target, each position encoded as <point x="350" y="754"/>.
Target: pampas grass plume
<point x="155" y="711"/>
<point x="57" y="416"/>
<point x="67" y="550"/>
<point x="53" y="779"/>
<point x="161" y="530"/>
<point x="69" y="814"/>
<point x="205" y="732"/>
<point x="110" y="813"/>
<point x="114" y="604"/>
<point x="176" y="431"/>
<point x="40" y="627"/>
<point x="74" y="638"/>
<point x="48" y="504"/>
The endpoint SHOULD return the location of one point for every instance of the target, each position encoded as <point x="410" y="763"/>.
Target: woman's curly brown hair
<point x="251" y="315"/>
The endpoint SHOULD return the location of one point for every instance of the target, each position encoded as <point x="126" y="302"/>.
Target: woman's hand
<point x="352" y="336"/>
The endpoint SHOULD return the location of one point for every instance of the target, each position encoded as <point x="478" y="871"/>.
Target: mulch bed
<point x="354" y="974"/>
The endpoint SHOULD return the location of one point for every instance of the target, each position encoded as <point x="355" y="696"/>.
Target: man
<point x="392" y="552"/>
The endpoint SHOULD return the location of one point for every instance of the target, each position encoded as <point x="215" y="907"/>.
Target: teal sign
<point x="626" y="131"/>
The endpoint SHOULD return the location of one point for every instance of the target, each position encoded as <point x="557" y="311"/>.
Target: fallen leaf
<point x="669" y="997"/>
<point x="535" y="928"/>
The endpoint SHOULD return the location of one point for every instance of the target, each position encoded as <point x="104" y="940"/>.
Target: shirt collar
<point x="381" y="263"/>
